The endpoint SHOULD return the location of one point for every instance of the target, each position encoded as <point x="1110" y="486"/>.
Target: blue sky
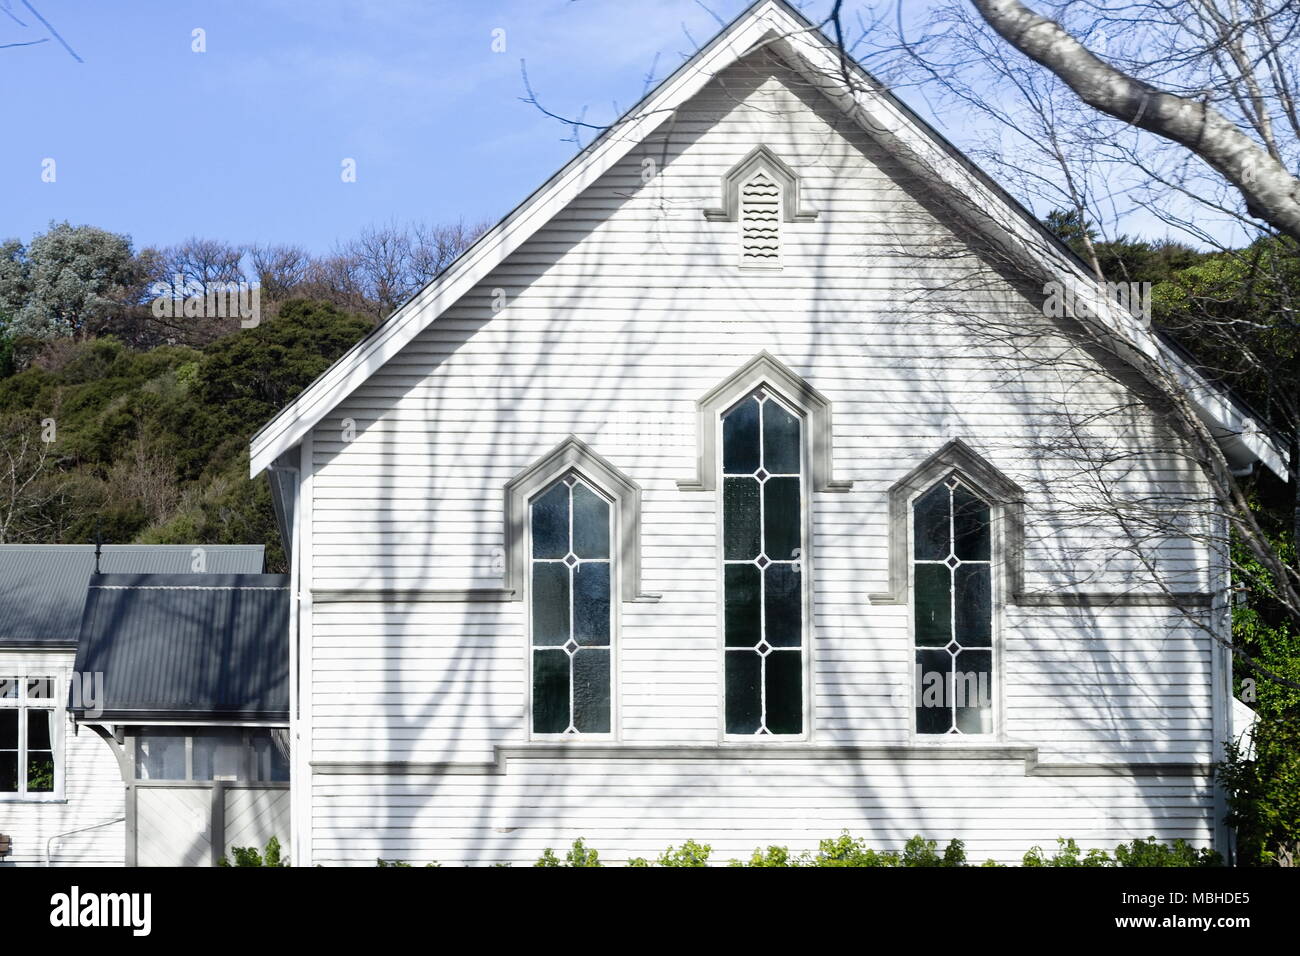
<point x="245" y="142"/>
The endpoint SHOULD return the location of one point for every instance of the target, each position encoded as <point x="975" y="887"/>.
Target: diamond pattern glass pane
<point x="550" y="691"/>
<point x="551" y="523"/>
<point x="591" y="690"/>
<point x="744" y="624"/>
<point x="591" y="602"/>
<point x="973" y="692"/>
<point x="933" y="678"/>
<point x="744" y="699"/>
<point x="974" y="605"/>
<point x="971" y="529"/>
<point x="740" y="519"/>
<point x="740" y="439"/>
<point x="784" y="679"/>
<point x="933" y="605"/>
<point x="782" y="522"/>
<point x="590" y="523"/>
<point x="931" y="538"/>
<point x="780" y="440"/>
<point x="783" y="602"/>
<point x="550" y="603"/>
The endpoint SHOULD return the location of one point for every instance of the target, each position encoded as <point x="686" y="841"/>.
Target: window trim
<point x="806" y="569"/>
<point x="573" y="454"/>
<point x="1003" y="495"/>
<point x="58" y="704"/>
<point x="188" y="732"/>
<point x="615" y="733"/>
<point x="765" y="369"/>
<point x="998" y="580"/>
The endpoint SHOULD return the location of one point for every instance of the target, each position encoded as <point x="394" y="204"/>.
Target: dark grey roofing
<point x="187" y="646"/>
<point x="43" y="586"/>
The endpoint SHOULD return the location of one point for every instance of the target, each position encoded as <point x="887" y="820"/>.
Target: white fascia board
<point x="773" y="23"/>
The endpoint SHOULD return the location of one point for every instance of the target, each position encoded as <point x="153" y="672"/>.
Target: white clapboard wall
<point x="618" y="316"/>
<point x="92" y="788"/>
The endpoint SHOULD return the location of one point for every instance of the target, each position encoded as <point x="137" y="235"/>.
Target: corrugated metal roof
<point x="187" y="646"/>
<point x="43" y="586"/>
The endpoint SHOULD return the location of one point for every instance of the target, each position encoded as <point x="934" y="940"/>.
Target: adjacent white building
<point x="62" y="794"/>
<point x="688" y="499"/>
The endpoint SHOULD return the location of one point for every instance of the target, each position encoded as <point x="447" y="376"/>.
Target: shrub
<point x="248" y="855"/>
<point x="690" y="854"/>
<point x="579" y="855"/>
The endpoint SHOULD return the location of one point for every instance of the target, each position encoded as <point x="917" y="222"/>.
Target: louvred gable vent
<point x="760" y="221"/>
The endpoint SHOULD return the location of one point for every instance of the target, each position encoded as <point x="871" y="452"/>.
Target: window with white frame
<point x="210" y="753"/>
<point x="571" y="608"/>
<point x="30" y="719"/>
<point x="952" y="567"/>
<point x="763" y="546"/>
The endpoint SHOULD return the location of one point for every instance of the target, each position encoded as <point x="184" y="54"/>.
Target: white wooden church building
<point x="680" y="507"/>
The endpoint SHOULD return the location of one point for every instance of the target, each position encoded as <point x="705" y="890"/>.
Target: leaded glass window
<point x="762" y="543"/>
<point x="571" y="607"/>
<point x="953" y="574"/>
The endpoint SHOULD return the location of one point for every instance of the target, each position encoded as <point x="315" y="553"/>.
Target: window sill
<point x="33" y="800"/>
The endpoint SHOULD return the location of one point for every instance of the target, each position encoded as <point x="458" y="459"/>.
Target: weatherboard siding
<point x="617" y="317"/>
<point x="93" y="790"/>
<point x="639" y="807"/>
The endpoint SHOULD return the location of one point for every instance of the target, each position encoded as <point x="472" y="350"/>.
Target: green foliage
<point x="153" y="446"/>
<point x="1264" y="792"/>
<point x="403" y="863"/>
<point x="846" y="850"/>
<point x="1150" y="853"/>
<point x="1067" y="854"/>
<point x="690" y="854"/>
<point x="578" y="855"/>
<point x="772" y="856"/>
<point x="1123" y="259"/>
<point x="248" y="855"/>
<point x="1138" y="853"/>
<point x="70" y="279"/>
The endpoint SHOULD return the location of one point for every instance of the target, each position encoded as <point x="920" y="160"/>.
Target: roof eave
<point x="797" y="39"/>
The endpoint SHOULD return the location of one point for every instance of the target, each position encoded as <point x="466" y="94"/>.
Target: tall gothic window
<point x="762" y="534"/>
<point x="953" y="578"/>
<point x="571" y="607"/>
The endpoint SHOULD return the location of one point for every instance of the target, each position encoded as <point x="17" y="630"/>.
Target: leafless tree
<point x="1216" y="77"/>
<point x="145" y="475"/>
<point x="200" y="265"/>
<point x="1185" y="109"/>
<point x="34" y="495"/>
<point x="279" y="269"/>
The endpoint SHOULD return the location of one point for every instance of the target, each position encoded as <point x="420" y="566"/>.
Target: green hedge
<point x="846" y="850"/>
